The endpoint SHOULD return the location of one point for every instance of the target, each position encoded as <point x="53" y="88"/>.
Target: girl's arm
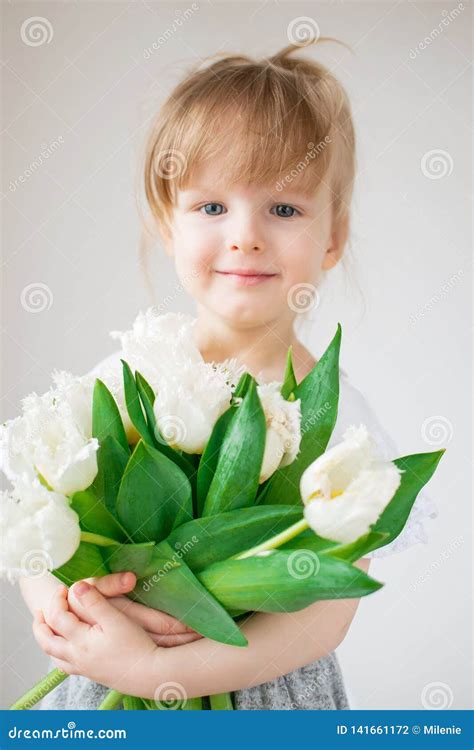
<point x="278" y="643"/>
<point x="118" y="653"/>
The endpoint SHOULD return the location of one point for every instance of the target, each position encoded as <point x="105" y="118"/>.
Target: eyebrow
<point x="286" y="193"/>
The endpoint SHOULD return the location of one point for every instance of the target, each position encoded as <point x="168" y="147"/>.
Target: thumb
<point x="114" y="584"/>
<point x="101" y="611"/>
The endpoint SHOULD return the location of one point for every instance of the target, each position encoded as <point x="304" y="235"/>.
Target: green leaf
<point x="145" y="391"/>
<point x="204" y="541"/>
<point x="134" y="407"/>
<point x="210" y="457"/>
<point x="134" y="557"/>
<point x="242" y="386"/>
<point x="284" y="581"/>
<point x="106" y="418"/>
<point x="111" y="460"/>
<point x="154" y="495"/>
<point x="235" y="481"/>
<point x="319" y="394"/>
<point x="308" y="539"/>
<point x="86" y="562"/>
<point x="208" y="463"/>
<point x="171" y="587"/>
<point x="418" y="470"/>
<point x="355" y="550"/>
<point x="94" y="516"/>
<point x="289" y="380"/>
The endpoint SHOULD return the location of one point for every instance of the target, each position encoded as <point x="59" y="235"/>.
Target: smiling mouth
<point x="246" y="279"/>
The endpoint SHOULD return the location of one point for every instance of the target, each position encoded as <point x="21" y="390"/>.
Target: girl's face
<point x="286" y="237"/>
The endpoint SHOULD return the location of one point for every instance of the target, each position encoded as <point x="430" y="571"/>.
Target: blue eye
<point x="286" y="211"/>
<point x="213" y="206"/>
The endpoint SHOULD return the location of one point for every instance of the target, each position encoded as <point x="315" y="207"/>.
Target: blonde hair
<point x="268" y="118"/>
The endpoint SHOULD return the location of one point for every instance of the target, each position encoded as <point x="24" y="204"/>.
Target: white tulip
<point x="53" y="437"/>
<point x="190" y="399"/>
<point x="156" y="340"/>
<point x="39" y="530"/>
<point x="283" y="438"/>
<point x="346" y="489"/>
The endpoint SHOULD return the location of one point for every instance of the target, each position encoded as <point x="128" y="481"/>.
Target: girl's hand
<point x="162" y="628"/>
<point x="113" y="652"/>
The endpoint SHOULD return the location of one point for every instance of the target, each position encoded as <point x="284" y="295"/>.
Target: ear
<point x="338" y="241"/>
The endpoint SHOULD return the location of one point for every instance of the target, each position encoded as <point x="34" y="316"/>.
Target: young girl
<point x="249" y="174"/>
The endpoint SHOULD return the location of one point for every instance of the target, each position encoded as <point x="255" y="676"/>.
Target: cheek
<point x="193" y="262"/>
<point x="302" y="264"/>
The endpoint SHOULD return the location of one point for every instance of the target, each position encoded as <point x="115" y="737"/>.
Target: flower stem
<point x="101" y="541"/>
<point x="221" y="702"/>
<point x="111" y="701"/>
<point x="192" y="704"/>
<point x="275" y="541"/>
<point x="38" y="691"/>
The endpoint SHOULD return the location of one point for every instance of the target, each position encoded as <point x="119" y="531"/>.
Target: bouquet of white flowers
<point x="216" y="491"/>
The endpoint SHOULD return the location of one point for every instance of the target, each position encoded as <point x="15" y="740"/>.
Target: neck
<point x="261" y="348"/>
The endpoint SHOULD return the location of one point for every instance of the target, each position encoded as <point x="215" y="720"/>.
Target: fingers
<point x="101" y="611"/>
<point x="60" y="619"/>
<point x="53" y="645"/>
<point x="169" y="641"/>
<point x="152" y="620"/>
<point x="114" y="584"/>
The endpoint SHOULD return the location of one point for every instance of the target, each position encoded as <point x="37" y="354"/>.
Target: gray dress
<point x="316" y="686"/>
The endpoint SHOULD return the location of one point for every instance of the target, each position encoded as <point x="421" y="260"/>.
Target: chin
<point x="242" y="314"/>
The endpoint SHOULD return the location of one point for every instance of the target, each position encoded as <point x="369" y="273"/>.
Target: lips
<point x="248" y="272"/>
<point x="246" y="277"/>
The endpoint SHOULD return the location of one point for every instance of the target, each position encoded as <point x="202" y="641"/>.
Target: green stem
<point x="98" y="539"/>
<point x="221" y="702"/>
<point x="275" y="541"/>
<point x="192" y="704"/>
<point x="38" y="691"/>
<point x="111" y="701"/>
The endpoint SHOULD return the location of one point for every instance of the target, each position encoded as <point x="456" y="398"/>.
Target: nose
<point x="245" y="247"/>
<point x="246" y="238"/>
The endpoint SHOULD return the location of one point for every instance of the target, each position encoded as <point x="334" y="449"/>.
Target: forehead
<point x="210" y="179"/>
